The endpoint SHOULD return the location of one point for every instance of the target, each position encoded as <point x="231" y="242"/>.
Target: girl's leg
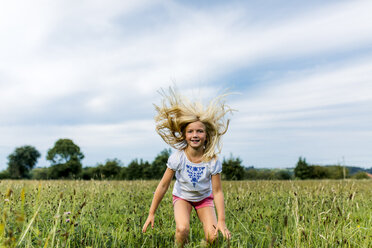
<point x="182" y="212"/>
<point x="207" y="216"/>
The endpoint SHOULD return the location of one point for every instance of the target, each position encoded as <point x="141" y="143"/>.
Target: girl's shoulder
<point x="214" y="161"/>
<point x="215" y="166"/>
<point x="176" y="155"/>
<point x="175" y="160"/>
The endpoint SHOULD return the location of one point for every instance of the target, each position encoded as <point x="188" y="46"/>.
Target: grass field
<point x="258" y="213"/>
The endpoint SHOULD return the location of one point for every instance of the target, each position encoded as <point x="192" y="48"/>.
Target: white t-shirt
<point x="193" y="181"/>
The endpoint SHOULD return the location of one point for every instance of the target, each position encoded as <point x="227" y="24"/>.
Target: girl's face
<point x="196" y="134"/>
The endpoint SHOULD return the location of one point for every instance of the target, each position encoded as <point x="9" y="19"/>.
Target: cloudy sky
<point x="91" y="70"/>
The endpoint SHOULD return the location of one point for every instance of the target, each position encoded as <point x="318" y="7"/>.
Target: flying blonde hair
<point x="176" y="112"/>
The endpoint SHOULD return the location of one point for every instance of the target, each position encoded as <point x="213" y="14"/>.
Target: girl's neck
<point x="194" y="155"/>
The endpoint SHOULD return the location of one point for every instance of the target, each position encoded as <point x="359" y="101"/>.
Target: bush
<point x="40" y="173"/>
<point x="320" y="172"/>
<point x="337" y="172"/>
<point x="4" y="174"/>
<point x="283" y="175"/>
<point x="360" y="175"/>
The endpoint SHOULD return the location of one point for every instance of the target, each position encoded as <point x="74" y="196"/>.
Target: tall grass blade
<point x="28" y="227"/>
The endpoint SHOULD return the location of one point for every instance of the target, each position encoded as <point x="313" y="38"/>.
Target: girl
<point x="195" y="132"/>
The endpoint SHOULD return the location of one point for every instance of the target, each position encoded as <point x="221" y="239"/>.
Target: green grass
<point x="258" y="213"/>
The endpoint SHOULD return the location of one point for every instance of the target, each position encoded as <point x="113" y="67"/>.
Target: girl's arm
<point x="158" y="196"/>
<point x="220" y="206"/>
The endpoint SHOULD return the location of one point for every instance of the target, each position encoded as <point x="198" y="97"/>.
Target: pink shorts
<point x="206" y="202"/>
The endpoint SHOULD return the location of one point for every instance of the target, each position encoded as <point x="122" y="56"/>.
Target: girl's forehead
<point x="196" y="125"/>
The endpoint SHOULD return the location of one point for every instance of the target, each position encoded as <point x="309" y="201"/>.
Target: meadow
<point x="328" y="213"/>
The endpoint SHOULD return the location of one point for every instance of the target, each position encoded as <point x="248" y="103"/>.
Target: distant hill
<point x="352" y="170"/>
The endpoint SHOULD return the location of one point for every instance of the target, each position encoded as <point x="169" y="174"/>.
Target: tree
<point x="232" y="168"/>
<point x="63" y="151"/>
<point x="146" y="168"/>
<point x="111" y="169"/>
<point x="159" y="165"/>
<point x="138" y="170"/>
<point x="90" y="173"/>
<point x="302" y="170"/>
<point x="66" y="158"/>
<point x="21" y="161"/>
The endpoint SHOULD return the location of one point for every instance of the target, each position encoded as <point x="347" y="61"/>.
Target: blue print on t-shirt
<point x="194" y="173"/>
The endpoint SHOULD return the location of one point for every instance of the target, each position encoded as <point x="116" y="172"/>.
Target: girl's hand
<point x="221" y="226"/>
<point x="150" y="219"/>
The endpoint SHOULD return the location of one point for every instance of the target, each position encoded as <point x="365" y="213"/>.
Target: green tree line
<point x="305" y="171"/>
<point x="65" y="159"/>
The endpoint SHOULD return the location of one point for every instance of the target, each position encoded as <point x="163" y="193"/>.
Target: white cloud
<point x="291" y="97"/>
<point x="323" y="115"/>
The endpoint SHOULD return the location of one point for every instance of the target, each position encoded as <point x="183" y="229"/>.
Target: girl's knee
<point x="183" y="230"/>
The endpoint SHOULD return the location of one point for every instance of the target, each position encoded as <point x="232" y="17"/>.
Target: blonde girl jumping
<point x="195" y="132"/>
